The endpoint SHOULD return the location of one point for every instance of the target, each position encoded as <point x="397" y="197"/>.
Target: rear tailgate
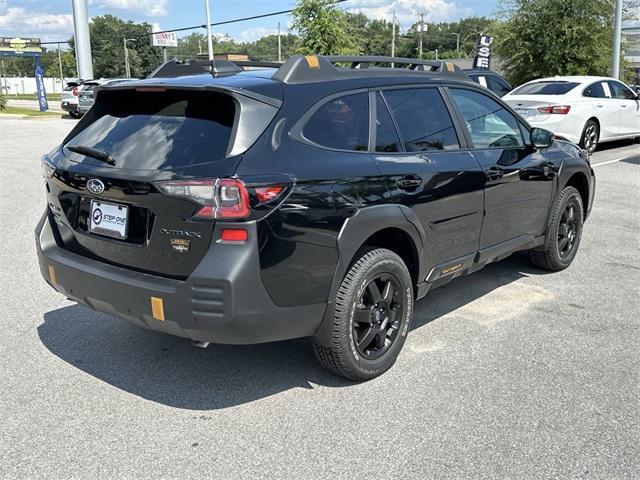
<point x="152" y="136"/>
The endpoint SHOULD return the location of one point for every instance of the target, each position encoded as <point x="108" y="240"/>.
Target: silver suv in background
<point x="69" y="97"/>
<point x="86" y="95"/>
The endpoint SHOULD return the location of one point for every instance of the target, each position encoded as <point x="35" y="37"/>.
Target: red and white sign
<point x="164" y="39"/>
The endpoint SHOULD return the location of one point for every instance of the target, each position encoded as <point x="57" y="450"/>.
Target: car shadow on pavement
<point x="170" y="371"/>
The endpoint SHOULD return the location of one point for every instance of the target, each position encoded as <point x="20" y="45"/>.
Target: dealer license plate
<point x="108" y="219"/>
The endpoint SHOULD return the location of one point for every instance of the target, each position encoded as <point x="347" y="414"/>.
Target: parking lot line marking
<point x="610" y="161"/>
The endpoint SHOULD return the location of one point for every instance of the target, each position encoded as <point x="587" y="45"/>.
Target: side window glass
<point x="497" y="86"/>
<point x="341" y="123"/>
<point x="619" y="91"/>
<point x="387" y="139"/>
<point x="489" y="124"/>
<point x="594" y="90"/>
<point x="423" y="119"/>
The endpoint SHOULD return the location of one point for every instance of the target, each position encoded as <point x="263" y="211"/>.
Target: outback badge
<point x="180" y="245"/>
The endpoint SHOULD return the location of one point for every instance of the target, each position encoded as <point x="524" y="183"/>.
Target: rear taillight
<point x="559" y="109"/>
<point x="48" y="168"/>
<point x="74" y="92"/>
<point x="222" y="198"/>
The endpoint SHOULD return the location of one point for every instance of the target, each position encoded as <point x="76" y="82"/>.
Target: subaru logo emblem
<point x="95" y="186"/>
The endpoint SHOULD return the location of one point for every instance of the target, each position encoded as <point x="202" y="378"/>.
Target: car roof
<point x="572" y="78"/>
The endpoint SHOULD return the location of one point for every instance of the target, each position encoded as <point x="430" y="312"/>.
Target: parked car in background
<point x="585" y="110"/>
<point x="490" y="80"/>
<point x="85" y="101"/>
<point x="69" y="97"/>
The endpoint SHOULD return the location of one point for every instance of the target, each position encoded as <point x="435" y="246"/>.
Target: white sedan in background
<point x="585" y="110"/>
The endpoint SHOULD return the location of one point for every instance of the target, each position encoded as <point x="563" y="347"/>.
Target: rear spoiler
<point x="217" y="68"/>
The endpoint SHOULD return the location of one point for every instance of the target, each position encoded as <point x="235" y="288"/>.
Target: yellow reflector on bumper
<point x="157" y="308"/>
<point x="52" y="274"/>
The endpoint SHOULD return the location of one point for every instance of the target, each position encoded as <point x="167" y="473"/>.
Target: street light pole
<point x="60" y="65"/>
<point x="279" y="44"/>
<point x="127" y="69"/>
<point x="617" y="33"/>
<point x="82" y="42"/>
<point x="457" y="41"/>
<point x="393" y="34"/>
<point x="209" y="40"/>
<point x="421" y="30"/>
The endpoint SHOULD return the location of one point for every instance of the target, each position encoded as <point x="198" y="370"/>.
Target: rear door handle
<point x="494" y="173"/>
<point x="409" y="182"/>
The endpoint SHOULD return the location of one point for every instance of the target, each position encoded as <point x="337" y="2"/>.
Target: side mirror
<point x="541" y="138"/>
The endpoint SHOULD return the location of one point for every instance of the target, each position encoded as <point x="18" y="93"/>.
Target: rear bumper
<point x="562" y="125"/>
<point x="69" y="107"/>
<point x="223" y="301"/>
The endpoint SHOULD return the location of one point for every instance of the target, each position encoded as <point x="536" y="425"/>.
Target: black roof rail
<point x="176" y="68"/>
<point x="312" y="68"/>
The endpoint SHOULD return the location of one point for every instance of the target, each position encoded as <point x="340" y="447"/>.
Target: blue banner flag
<point x="42" y="93"/>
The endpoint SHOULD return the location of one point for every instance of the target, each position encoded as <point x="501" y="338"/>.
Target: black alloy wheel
<point x="568" y="229"/>
<point x="563" y="233"/>
<point x="377" y="318"/>
<point x="371" y="317"/>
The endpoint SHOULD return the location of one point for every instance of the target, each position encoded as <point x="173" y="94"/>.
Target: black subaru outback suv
<point x="319" y="199"/>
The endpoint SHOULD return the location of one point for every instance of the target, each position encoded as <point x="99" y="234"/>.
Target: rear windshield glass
<point x="157" y="130"/>
<point x="545" y="88"/>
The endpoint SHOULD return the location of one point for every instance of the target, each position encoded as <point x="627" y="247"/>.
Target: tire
<point x="564" y="232"/>
<point x="590" y="136"/>
<point x="74" y="114"/>
<point x="354" y="350"/>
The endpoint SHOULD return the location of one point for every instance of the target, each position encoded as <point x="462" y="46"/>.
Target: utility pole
<point x="127" y="69"/>
<point x="393" y="35"/>
<point x="60" y="65"/>
<point x="457" y="41"/>
<point x="83" y="43"/>
<point x="617" y="33"/>
<point x="4" y="77"/>
<point x="420" y="40"/>
<point x="209" y="40"/>
<point x="279" y="44"/>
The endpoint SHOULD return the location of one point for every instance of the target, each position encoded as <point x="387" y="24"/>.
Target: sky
<point x="51" y="20"/>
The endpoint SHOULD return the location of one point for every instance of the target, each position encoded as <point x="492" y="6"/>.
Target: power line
<point x="215" y="24"/>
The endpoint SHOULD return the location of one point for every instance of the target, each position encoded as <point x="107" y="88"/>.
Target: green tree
<point x="266" y="48"/>
<point x="323" y="29"/>
<point x="541" y="38"/>
<point x="107" y="49"/>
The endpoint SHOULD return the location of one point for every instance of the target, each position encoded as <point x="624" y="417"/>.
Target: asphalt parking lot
<point x="508" y="373"/>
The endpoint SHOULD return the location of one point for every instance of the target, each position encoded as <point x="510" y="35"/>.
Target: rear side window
<point x="341" y="123"/>
<point x="489" y="124"/>
<point x="387" y="139"/>
<point x="158" y="130"/>
<point x="594" y="90"/>
<point x="423" y="119"/>
<point x="546" y="88"/>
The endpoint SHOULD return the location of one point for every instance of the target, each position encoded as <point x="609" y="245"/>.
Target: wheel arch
<point x="580" y="182"/>
<point x="394" y="227"/>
